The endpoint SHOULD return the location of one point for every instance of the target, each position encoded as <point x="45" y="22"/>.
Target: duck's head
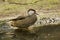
<point x="31" y="12"/>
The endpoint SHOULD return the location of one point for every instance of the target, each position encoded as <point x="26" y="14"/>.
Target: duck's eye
<point x="11" y="25"/>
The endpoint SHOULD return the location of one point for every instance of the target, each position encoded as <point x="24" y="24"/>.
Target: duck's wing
<point x="19" y="18"/>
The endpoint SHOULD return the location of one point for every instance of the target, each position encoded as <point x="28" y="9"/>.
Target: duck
<point x="23" y="22"/>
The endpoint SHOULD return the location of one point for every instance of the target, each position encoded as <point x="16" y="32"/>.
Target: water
<point x="49" y="32"/>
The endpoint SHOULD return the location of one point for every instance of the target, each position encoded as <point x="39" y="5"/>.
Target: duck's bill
<point x="36" y="14"/>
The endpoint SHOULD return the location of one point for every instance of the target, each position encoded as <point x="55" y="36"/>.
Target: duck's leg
<point x="30" y="30"/>
<point x="24" y="29"/>
<point x="27" y="30"/>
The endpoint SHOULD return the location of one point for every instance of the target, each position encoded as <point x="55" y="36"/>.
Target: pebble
<point x="48" y="20"/>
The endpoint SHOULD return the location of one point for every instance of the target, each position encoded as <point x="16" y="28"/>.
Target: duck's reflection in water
<point x="50" y="32"/>
<point x="24" y="35"/>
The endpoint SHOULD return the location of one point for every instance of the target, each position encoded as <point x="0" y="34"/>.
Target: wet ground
<point x="47" y="32"/>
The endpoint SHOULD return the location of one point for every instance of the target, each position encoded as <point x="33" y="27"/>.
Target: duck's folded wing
<point x="19" y="18"/>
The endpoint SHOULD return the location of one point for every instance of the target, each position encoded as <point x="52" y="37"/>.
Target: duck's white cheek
<point x="31" y="12"/>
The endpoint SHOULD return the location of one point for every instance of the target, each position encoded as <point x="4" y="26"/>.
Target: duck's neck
<point x="31" y="15"/>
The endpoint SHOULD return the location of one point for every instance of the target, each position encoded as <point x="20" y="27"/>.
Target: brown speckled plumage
<point x="25" y="22"/>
